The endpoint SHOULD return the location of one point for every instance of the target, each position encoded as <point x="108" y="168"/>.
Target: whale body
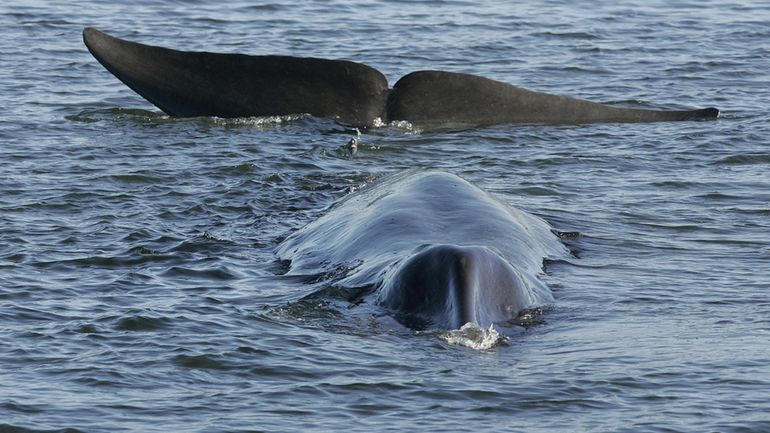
<point x="188" y="84"/>
<point x="436" y="251"/>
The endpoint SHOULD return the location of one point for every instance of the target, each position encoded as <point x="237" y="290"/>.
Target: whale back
<point x="385" y="222"/>
<point x="381" y="234"/>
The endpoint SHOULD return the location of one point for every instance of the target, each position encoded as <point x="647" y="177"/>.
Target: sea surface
<point x="139" y="284"/>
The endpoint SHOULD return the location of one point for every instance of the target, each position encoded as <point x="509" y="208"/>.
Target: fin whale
<point x="430" y="249"/>
<point x="446" y="286"/>
<point x="189" y="84"/>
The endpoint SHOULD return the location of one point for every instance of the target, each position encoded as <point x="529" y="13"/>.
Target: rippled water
<point x="139" y="286"/>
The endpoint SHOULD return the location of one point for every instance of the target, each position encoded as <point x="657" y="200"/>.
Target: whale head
<point x="446" y="286"/>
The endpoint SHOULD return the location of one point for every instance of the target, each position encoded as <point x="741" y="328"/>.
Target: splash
<point x="146" y="117"/>
<point x="257" y="121"/>
<point x="397" y="124"/>
<point x="474" y="336"/>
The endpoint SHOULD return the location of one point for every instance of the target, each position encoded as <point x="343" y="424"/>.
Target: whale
<point x="430" y="250"/>
<point x="191" y="84"/>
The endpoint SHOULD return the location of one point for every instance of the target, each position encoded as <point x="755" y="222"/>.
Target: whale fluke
<point x="448" y="97"/>
<point x="188" y="84"/>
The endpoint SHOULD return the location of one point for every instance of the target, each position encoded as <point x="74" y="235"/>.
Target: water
<point x="139" y="286"/>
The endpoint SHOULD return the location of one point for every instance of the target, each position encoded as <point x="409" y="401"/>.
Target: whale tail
<point x="189" y="84"/>
<point x="447" y="286"/>
<point x="430" y="97"/>
<point x="702" y="114"/>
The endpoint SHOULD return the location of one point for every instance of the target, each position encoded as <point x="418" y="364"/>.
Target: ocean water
<point x="139" y="284"/>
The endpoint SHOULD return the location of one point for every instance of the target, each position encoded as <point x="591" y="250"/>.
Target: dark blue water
<point x="139" y="285"/>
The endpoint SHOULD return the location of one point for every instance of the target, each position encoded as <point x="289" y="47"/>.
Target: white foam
<point x="474" y="336"/>
<point x="398" y="124"/>
<point x="258" y="121"/>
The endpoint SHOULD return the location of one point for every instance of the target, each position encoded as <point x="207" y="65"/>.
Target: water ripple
<point x="140" y="290"/>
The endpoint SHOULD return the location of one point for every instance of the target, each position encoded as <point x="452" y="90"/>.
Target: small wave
<point x="134" y="257"/>
<point x="154" y="117"/>
<point x="269" y="7"/>
<point x="747" y="210"/>
<point x="8" y="428"/>
<point x="142" y="323"/>
<point x="745" y="159"/>
<point x="135" y="178"/>
<point x="718" y="196"/>
<point x="568" y="35"/>
<point x="13" y="406"/>
<point x="118" y="113"/>
<point x="205" y="362"/>
<point x="578" y="70"/>
<point x="246" y="168"/>
<point x="538" y="191"/>
<point x="674" y="184"/>
<point x="205" y="243"/>
<point x="475" y="337"/>
<point x="220" y="273"/>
